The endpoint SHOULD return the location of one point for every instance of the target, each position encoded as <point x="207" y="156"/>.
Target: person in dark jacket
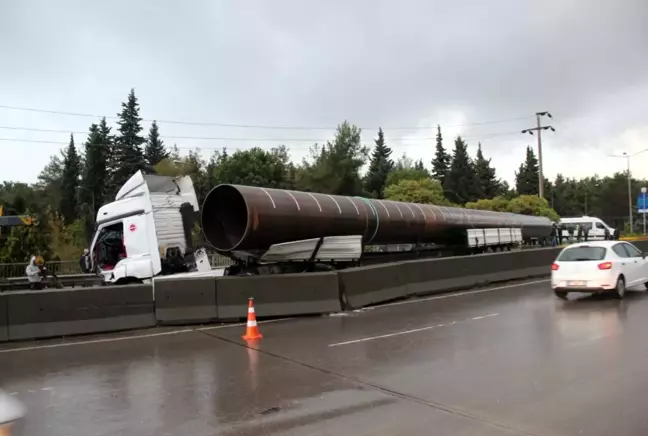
<point x="586" y="232"/>
<point x="554" y="234"/>
<point x="606" y="234"/>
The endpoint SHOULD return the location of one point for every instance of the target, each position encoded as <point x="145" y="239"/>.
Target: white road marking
<point x="128" y="338"/>
<point x="485" y="316"/>
<point x="461" y="294"/>
<point x="240" y="324"/>
<point x="95" y="341"/>
<point x="406" y="332"/>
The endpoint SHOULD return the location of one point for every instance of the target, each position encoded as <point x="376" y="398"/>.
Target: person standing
<point x="586" y="232"/>
<point x="560" y="234"/>
<point x="579" y="232"/>
<point x="554" y="234"/>
<point x="34" y="275"/>
<point x="84" y="261"/>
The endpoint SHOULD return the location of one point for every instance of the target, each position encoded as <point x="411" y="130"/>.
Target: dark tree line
<point x="79" y="180"/>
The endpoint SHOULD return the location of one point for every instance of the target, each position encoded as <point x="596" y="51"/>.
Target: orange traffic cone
<point x="252" y="331"/>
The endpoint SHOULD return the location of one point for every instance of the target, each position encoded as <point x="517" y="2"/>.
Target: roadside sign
<point x="642" y="201"/>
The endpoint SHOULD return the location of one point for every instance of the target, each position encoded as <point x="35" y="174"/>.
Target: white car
<point x="601" y="266"/>
<point x="11" y="412"/>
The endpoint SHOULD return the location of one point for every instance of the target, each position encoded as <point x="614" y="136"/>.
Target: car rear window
<point x="578" y="254"/>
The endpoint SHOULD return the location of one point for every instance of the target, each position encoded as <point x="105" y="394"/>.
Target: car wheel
<point x="620" y="288"/>
<point x="561" y="294"/>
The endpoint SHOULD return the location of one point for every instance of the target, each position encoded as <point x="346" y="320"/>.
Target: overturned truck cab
<point x="146" y="231"/>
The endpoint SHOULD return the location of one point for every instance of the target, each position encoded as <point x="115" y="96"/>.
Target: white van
<point x="595" y="225"/>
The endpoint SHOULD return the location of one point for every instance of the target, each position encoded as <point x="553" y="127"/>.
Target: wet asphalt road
<point x="514" y="361"/>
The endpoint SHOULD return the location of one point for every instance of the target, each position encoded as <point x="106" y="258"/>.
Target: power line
<point x="278" y="140"/>
<point x="42" y="141"/>
<point x="250" y="126"/>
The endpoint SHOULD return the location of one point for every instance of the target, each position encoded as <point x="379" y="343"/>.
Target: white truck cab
<point x="146" y="231"/>
<point x="596" y="227"/>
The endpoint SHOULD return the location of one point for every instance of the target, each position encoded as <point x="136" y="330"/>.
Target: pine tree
<point x="488" y="186"/>
<point x="70" y="183"/>
<point x="379" y="168"/>
<point x="526" y="179"/>
<point x="460" y="180"/>
<point x="95" y="170"/>
<point x="107" y="142"/>
<point x="441" y="161"/>
<point x="128" y="155"/>
<point x="155" y="151"/>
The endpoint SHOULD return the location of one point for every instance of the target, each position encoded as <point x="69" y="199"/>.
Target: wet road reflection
<point x="540" y="366"/>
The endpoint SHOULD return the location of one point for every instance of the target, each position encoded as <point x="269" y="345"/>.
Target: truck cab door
<point x="142" y="251"/>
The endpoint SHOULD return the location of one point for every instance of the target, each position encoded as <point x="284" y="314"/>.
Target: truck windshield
<point x="109" y="248"/>
<point x="583" y="253"/>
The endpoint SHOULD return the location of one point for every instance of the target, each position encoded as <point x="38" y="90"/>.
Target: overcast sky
<point x="404" y="64"/>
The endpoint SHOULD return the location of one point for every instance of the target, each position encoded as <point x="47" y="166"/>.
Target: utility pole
<point x="539" y="128"/>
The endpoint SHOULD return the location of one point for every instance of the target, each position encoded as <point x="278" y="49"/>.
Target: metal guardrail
<point x="66" y="280"/>
<point x="68" y="267"/>
<point x="58" y="268"/>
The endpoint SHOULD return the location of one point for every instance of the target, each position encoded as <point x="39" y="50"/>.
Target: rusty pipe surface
<point x="236" y="217"/>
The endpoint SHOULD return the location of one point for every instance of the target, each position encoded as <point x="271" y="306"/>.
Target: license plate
<point x="577" y="283"/>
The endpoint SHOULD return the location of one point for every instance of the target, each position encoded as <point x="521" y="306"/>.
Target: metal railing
<point x="58" y="268"/>
<point x="72" y="266"/>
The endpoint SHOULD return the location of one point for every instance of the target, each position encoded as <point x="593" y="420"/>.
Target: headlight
<point x="5" y="429"/>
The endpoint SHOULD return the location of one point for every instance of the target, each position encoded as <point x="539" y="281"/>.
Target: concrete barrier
<point x="438" y="275"/>
<point x="43" y="314"/>
<point x="278" y="295"/>
<point x="373" y="284"/>
<point x="185" y="300"/>
<point x="4" y="330"/>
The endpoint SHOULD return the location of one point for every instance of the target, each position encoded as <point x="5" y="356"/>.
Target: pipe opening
<point x="224" y="217"/>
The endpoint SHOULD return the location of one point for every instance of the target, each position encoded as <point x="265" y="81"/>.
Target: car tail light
<point x="554" y="267"/>
<point x="605" y="265"/>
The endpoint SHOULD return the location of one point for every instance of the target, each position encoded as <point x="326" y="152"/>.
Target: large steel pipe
<point x="236" y="217"/>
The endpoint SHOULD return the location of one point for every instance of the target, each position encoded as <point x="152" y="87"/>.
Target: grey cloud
<point x="298" y="63"/>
